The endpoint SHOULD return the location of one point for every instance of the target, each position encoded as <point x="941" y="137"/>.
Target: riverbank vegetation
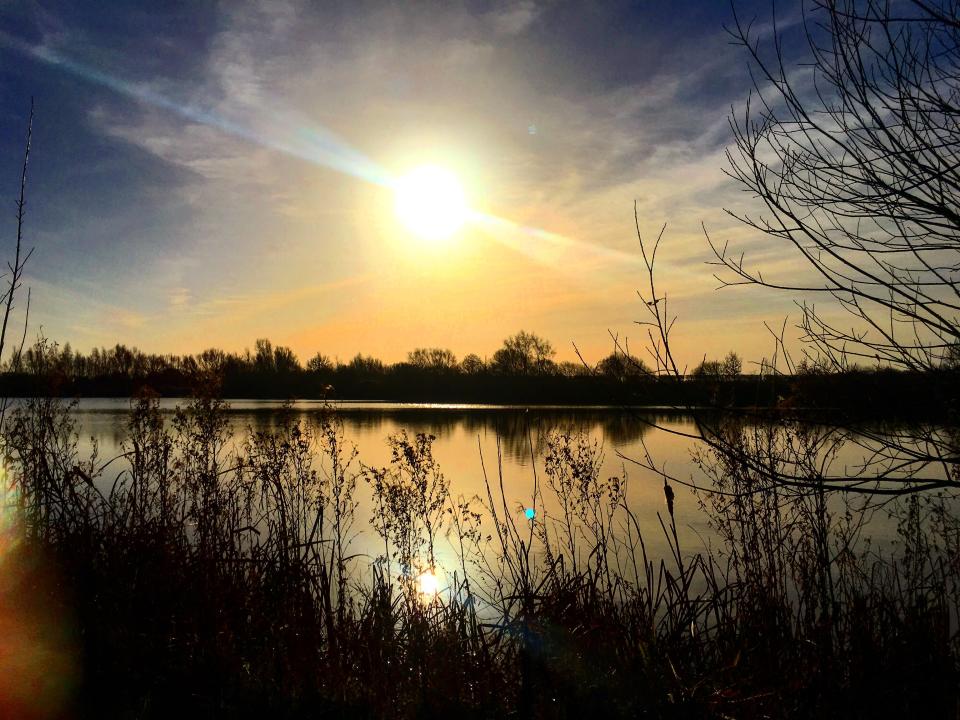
<point x="435" y="375"/>
<point x="192" y="577"/>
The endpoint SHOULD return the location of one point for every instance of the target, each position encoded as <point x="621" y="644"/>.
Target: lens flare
<point x="273" y="129"/>
<point x="430" y="202"/>
<point x="38" y="668"/>
<point x="552" y="249"/>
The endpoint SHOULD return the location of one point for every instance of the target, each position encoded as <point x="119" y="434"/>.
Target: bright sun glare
<point x="429" y="583"/>
<point x="430" y="203"/>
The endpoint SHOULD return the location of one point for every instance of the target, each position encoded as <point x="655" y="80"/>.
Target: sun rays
<point x="429" y="201"/>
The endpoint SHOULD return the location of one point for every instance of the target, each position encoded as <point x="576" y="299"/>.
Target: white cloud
<point x="380" y="82"/>
<point x="514" y="17"/>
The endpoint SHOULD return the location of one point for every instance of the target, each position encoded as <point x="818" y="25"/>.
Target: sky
<point x="205" y="174"/>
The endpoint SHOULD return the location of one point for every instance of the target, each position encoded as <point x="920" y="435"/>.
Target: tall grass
<point x="241" y="580"/>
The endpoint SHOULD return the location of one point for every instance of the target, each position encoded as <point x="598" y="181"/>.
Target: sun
<point x="429" y="583"/>
<point x="430" y="203"/>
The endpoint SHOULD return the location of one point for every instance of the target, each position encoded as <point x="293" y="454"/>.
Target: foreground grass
<point x="228" y="582"/>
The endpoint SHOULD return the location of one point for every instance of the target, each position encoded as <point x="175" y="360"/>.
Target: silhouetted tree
<point x="122" y="360"/>
<point x="263" y="358"/>
<point x="572" y="369"/>
<point x="366" y="365"/>
<point x="855" y="155"/>
<point x="319" y="363"/>
<point x="472" y="364"/>
<point x="732" y="365"/>
<point x="285" y="360"/>
<point x="432" y="359"/>
<point x="211" y="360"/>
<point x="16" y="267"/>
<point x="708" y="369"/>
<point x="620" y="366"/>
<point x="524" y="353"/>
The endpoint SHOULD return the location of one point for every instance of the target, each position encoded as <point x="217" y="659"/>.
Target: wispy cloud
<point x="268" y="231"/>
<point x="514" y="17"/>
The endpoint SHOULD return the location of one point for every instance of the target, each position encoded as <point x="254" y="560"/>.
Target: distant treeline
<point x="521" y="371"/>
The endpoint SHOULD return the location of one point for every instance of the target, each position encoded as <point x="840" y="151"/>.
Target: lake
<point x="468" y="438"/>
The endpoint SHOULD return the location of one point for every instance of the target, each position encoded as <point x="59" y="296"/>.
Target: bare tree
<point x="432" y="359"/>
<point x="524" y="353"/>
<point x="620" y="365"/>
<point x="15" y="269"/>
<point x="319" y="363"/>
<point x="854" y="152"/>
<point x="472" y="364"/>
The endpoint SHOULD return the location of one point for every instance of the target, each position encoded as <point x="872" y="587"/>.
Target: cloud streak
<point x="290" y="103"/>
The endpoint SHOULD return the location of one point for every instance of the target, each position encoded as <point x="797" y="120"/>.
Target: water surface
<point x="480" y="443"/>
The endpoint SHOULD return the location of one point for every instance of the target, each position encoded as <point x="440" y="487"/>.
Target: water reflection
<point x="509" y="440"/>
<point x="504" y="437"/>
<point x="522" y="431"/>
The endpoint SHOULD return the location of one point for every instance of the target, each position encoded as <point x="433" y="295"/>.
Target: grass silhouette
<point x="196" y="578"/>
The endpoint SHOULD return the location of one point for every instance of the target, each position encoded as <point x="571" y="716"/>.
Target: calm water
<point x="467" y="440"/>
<point x="464" y="435"/>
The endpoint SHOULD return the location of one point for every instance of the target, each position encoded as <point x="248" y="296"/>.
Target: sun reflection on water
<point x="428" y="584"/>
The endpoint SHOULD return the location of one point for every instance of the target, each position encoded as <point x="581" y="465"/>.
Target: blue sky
<point x="201" y="171"/>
